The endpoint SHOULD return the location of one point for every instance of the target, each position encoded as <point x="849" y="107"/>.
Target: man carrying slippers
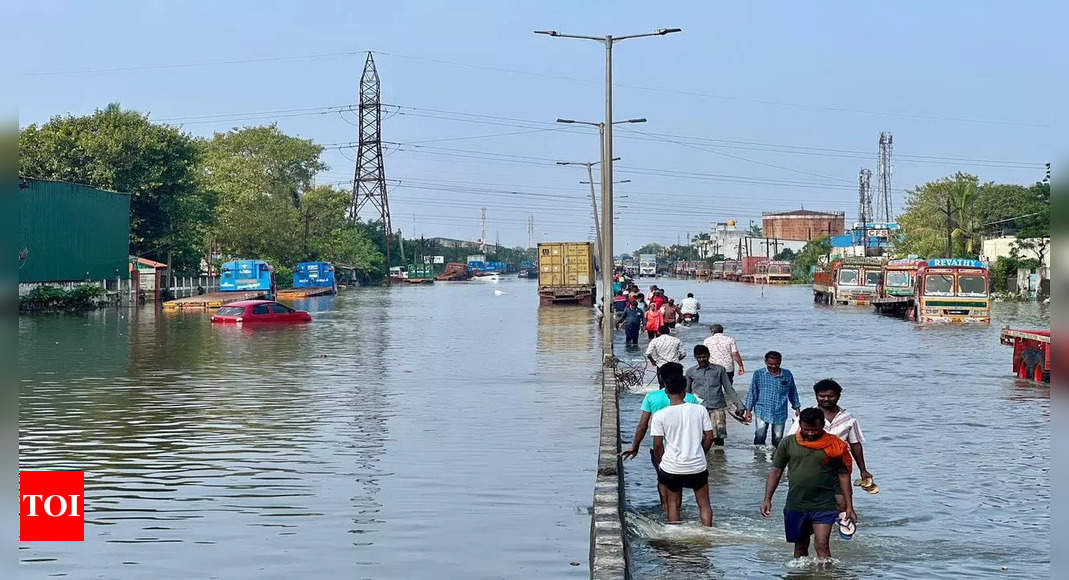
<point x="820" y="466"/>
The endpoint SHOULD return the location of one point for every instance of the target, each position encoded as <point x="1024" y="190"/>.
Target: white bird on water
<point x="498" y="293"/>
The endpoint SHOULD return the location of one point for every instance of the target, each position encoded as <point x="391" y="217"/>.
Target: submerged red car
<point x="246" y="311"/>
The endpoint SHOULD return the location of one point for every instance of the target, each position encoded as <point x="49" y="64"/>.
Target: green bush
<point x="85" y="294"/>
<point x="283" y="276"/>
<point x="47" y="295"/>
<point x="52" y="297"/>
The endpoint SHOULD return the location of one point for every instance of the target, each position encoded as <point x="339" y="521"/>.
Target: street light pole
<point x="606" y="178"/>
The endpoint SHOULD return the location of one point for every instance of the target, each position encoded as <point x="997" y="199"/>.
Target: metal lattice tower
<point x="482" y="236"/>
<point x="883" y="179"/>
<point x="369" y="182"/>
<point x="864" y="195"/>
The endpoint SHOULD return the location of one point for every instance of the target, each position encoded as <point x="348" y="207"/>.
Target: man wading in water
<point x="664" y="349"/>
<point x="771" y="389"/>
<point x="842" y="424"/>
<point x="682" y="435"/>
<point x="653" y="402"/>
<point x="711" y="383"/>
<point x="820" y="465"/>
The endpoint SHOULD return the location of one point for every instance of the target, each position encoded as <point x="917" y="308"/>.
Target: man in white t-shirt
<point x="664" y="349"/>
<point x="723" y="351"/>
<point x="682" y="435"/>
<point x="841" y="423"/>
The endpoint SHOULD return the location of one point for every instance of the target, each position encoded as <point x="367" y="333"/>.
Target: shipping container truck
<point x="566" y="273"/>
<point x="647" y="265"/>
<point x="247" y="275"/>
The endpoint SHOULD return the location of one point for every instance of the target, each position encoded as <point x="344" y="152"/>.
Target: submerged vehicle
<point x="779" y="272"/>
<point x="897" y="290"/>
<point x="311" y="279"/>
<point x="258" y="311"/>
<point x="952" y="290"/>
<point x="1031" y="353"/>
<point x="247" y="275"/>
<point x="566" y="273"/>
<point x="850" y="281"/>
<point x="453" y="272"/>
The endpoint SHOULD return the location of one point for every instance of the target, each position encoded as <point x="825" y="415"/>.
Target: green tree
<point x="934" y="211"/>
<point x="260" y="175"/>
<point x="786" y="254"/>
<point x="810" y="255"/>
<point x="657" y="249"/>
<point x="123" y="151"/>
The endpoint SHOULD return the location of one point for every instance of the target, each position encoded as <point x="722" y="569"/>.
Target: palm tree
<point x="962" y="196"/>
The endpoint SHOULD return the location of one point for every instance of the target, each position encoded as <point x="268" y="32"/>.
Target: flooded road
<point x="961" y="450"/>
<point x="446" y="431"/>
<point x="439" y="431"/>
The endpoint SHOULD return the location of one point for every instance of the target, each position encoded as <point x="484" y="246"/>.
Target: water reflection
<point x="384" y="439"/>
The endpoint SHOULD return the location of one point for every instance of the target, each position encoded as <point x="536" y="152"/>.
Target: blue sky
<point x="755" y="106"/>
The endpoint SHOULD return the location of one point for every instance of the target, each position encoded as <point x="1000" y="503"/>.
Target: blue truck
<point x="247" y="276"/>
<point x="315" y="275"/>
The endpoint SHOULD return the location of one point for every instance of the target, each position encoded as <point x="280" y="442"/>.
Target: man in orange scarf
<point x="820" y="467"/>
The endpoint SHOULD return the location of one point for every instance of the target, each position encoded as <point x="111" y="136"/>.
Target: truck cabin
<point x="899" y="278"/>
<point x="854" y="276"/>
<point x="953" y="290"/>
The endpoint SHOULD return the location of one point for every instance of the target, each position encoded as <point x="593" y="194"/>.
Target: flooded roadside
<point x="960" y="448"/>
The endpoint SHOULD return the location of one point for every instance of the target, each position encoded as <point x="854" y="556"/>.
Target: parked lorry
<point x="754" y="268"/>
<point x="852" y="281"/>
<point x="779" y="272"/>
<point x="1031" y="353"/>
<point x="953" y="290"/>
<point x="566" y="273"/>
<point x="647" y="265"/>
<point x="247" y="275"/>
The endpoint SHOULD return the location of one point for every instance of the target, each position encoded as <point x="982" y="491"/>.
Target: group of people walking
<point x="687" y="418"/>
<point x="633" y="311"/>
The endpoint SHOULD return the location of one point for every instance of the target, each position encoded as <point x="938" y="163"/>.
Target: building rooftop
<point x="803" y="212"/>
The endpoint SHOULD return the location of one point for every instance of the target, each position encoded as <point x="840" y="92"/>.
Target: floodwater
<point x="446" y="431"/>
<point x="437" y="431"/>
<point x="959" y="447"/>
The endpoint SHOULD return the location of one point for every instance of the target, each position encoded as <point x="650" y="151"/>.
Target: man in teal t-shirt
<point x="653" y="402"/>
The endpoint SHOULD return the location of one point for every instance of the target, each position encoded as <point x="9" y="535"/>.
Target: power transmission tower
<point x="864" y="206"/>
<point x="530" y="231"/>
<point x="883" y="179"/>
<point x="482" y="238"/>
<point x="369" y="182"/>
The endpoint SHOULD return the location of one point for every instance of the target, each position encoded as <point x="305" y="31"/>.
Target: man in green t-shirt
<point x="820" y="467"/>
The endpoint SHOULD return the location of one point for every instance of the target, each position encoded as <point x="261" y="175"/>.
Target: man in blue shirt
<point x="771" y="388"/>
<point x="632" y="322"/>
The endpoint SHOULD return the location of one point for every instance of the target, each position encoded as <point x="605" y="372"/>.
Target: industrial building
<point x="802" y="224"/>
<point x="71" y="233"/>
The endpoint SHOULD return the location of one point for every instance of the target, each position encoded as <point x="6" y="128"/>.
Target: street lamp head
<point x="549" y="32"/>
<point x="565" y="120"/>
<point x="642" y="120"/>
<point x="663" y="31"/>
<point x="615" y="158"/>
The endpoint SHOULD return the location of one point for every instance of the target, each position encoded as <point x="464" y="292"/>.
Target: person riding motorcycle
<point x="690" y="306"/>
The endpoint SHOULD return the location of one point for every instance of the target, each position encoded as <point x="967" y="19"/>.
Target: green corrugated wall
<point x="71" y="232"/>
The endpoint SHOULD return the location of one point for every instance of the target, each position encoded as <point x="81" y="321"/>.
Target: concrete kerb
<point x="609" y="551"/>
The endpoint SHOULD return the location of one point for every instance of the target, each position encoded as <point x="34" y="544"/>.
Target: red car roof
<point x="249" y="302"/>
